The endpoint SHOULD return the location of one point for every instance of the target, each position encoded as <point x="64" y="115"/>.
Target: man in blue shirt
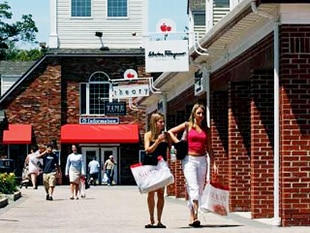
<point x="93" y="168"/>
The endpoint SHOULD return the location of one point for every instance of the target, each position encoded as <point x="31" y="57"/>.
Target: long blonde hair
<point x="153" y="127"/>
<point x="192" y="121"/>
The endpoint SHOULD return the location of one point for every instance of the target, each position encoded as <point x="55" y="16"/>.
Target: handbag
<point x="215" y="198"/>
<point x="150" y="178"/>
<point x="149" y="159"/>
<point x="182" y="146"/>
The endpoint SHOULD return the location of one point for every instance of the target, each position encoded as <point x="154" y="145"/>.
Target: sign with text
<point x="115" y="108"/>
<point x="166" y="56"/>
<point x="99" y="120"/>
<point x="130" y="91"/>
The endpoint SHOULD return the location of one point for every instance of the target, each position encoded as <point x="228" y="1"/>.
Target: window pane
<point x="221" y="3"/>
<point x="117" y="8"/>
<point x="83" y="98"/>
<point x="98" y="94"/>
<point x="81" y="8"/>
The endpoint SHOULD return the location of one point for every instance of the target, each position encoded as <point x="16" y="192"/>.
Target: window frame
<point x="86" y="87"/>
<point x="117" y="17"/>
<point x="82" y="8"/>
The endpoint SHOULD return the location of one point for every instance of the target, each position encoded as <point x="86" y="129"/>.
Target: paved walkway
<point x="114" y="209"/>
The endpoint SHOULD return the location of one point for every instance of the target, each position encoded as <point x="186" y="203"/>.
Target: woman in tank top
<point x="194" y="165"/>
<point x="156" y="142"/>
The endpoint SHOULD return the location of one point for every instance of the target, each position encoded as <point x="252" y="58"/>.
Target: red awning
<point x="17" y="134"/>
<point x="79" y="133"/>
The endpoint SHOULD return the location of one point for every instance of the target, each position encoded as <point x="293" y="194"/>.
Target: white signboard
<point x="166" y="56"/>
<point x="130" y="91"/>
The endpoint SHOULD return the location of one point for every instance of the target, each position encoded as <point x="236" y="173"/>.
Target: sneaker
<point x="47" y="197"/>
<point x="50" y="198"/>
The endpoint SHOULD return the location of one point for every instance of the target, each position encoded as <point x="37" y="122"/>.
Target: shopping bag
<point x="150" y="178"/>
<point x="215" y="198"/>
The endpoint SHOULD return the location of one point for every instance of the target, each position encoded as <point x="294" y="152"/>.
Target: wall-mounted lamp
<point x="102" y="48"/>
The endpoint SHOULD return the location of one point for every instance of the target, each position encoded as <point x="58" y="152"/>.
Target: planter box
<point x="4" y="201"/>
<point x="15" y="196"/>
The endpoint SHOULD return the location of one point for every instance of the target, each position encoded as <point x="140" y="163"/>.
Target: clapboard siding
<point x="117" y="33"/>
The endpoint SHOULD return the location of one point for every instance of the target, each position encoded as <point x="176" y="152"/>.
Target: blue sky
<point x="158" y="9"/>
<point x="40" y="14"/>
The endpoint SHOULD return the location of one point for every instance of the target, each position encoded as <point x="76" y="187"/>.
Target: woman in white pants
<point x="195" y="163"/>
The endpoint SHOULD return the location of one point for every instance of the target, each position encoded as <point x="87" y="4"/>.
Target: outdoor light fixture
<point x="99" y="34"/>
<point x="102" y="48"/>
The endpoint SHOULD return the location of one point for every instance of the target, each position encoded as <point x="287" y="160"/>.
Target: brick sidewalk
<point x="112" y="209"/>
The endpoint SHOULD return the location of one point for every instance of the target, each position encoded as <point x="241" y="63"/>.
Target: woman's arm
<point x="147" y="142"/>
<point x="178" y="128"/>
<point x="67" y="166"/>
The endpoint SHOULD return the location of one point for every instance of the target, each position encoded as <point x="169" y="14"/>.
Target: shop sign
<point x="130" y="91"/>
<point x="166" y="56"/>
<point x="99" y="120"/>
<point x="200" y="81"/>
<point x="115" y="108"/>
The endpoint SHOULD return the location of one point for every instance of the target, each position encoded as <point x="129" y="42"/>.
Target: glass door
<point x="89" y="153"/>
<point x="105" y="152"/>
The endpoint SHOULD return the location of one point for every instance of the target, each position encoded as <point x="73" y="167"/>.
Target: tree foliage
<point x="12" y="32"/>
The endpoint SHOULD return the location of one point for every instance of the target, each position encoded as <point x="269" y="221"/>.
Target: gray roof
<point x="15" y="67"/>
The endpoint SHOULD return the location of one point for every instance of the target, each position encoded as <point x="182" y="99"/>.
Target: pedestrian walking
<point x="109" y="166"/>
<point x="74" y="170"/>
<point x="93" y="168"/>
<point x="194" y="165"/>
<point x="34" y="165"/>
<point x="156" y="143"/>
<point x="50" y="168"/>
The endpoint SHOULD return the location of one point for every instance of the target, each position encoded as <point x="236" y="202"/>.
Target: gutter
<point x="276" y="177"/>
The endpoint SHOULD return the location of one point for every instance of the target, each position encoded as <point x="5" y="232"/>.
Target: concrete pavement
<point x="114" y="209"/>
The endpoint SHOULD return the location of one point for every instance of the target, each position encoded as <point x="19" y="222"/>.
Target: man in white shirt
<point x="93" y="168"/>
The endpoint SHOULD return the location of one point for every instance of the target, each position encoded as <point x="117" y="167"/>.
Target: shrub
<point x="8" y="183"/>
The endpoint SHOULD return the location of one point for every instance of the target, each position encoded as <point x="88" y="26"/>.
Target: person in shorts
<point x="50" y="168"/>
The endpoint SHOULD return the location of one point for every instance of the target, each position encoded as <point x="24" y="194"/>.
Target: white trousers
<point x="194" y="170"/>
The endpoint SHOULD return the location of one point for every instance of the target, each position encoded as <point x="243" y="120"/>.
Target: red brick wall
<point x="262" y="136"/>
<point x="44" y="112"/>
<point x="219" y="132"/>
<point x="295" y="122"/>
<point x="239" y="146"/>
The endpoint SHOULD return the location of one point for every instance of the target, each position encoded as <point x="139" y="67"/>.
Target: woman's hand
<point x="161" y="138"/>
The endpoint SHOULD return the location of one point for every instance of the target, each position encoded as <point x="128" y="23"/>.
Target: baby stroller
<point x="25" y="178"/>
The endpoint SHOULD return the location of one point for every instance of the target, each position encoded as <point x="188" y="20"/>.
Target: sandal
<point x="195" y="223"/>
<point x="150" y="226"/>
<point x="160" y="225"/>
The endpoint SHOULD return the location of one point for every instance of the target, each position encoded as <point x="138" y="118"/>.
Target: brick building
<point x="252" y="72"/>
<point x="251" y="69"/>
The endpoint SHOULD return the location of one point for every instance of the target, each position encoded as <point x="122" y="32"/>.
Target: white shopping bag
<point x="215" y="198"/>
<point x="150" y="178"/>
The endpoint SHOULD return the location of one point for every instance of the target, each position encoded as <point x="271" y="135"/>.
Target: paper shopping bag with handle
<point x="150" y="178"/>
<point x="215" y="198"/>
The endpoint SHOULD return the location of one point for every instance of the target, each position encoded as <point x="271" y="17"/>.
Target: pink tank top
<point x="197" y="141"/>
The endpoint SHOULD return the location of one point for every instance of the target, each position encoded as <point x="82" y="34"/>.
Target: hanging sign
<point x="166" y="56"/>
<point x="130" y="91"/>
<point x="115" y="108"/>
<point x="130" y="74"/>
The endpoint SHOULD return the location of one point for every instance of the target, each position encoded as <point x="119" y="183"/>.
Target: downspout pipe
<point x="276" y="177"/>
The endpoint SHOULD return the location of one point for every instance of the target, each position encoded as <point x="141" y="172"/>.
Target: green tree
<point x="13" y="32"/>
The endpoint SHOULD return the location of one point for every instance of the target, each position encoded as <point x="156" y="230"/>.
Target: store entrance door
<point x="105" y="153"/>
<point x="101" y="154"/>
